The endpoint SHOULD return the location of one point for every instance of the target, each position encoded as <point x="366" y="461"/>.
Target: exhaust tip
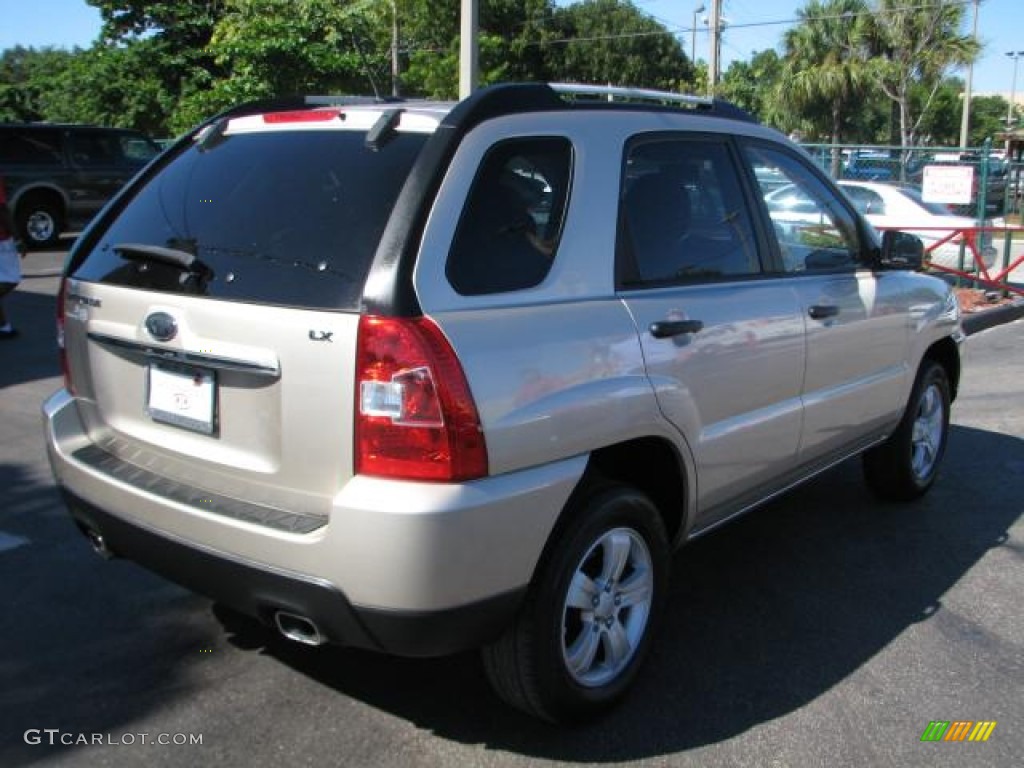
<point x="298" y="628"/>
<point x="97" y="542"/>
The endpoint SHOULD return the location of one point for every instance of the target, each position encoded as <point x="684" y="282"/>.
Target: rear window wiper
<point x="173" y="256"/>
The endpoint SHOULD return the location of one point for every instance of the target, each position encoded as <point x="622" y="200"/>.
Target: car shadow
<point x="90" y="646"/>
<point x="764" y="616"/>
<point x="33" y="353"/>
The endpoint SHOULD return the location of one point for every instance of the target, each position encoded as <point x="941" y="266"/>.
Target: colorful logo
<point x="958" y="730"/>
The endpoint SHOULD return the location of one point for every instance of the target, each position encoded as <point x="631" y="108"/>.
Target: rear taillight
<point x="415" y="416"/>
<point x="61" y="347"/>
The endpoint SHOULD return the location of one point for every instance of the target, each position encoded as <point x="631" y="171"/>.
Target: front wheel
<point x="904" y="466"/>
<point x="587" y="621"/>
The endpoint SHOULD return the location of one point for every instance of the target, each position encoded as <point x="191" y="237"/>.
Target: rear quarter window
<point x="287" y="218"/>
<point x="509" y="231"/>
<point x="30" y="147"/>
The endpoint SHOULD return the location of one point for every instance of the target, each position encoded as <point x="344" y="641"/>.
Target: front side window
<point x="683" y="214"/>
<point x="509" y="231"/>
<point x="814" y="229"/>
<point x="138" y="149"/>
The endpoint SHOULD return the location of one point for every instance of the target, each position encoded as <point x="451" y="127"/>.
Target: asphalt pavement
<point x="825" y="629"/>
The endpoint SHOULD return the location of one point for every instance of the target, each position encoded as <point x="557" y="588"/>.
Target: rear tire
<point x="904" y="467"/>
<point x="587" y="621"/>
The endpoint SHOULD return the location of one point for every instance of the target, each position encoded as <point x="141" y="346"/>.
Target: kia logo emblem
<point x="162" y="326"/>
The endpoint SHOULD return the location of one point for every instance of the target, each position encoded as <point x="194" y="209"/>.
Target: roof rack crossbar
<point x="614" y="92"/>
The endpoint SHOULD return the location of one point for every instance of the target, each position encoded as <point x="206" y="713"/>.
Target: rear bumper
<point x="412" y="569"/>
<point x="259" y="591"/>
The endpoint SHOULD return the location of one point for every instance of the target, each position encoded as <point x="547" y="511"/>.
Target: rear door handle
<point x="666" y="329"/>
<point x="823" y="311"/>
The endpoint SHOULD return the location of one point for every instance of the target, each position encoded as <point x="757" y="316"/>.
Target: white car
<point x="889" y="206"/>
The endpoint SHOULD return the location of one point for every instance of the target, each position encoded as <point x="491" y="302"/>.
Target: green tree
<point x="916" y="44"/>
<point x="940" y="124"/>
<point x="264" y="48"/>
<point x="750" y="85"/>
<point x="167" y="45"/>
<point x="824" y="76"/>
<point x="27" y="77"/>
<point x="612" y="41"/>
<point x="988" y="118"/>
<point x="112" y="85"/>
<point x="188" y="24"/>
<point x="515" y="43"/>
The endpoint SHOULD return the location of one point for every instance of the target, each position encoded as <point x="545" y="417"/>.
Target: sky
<point x="753" y="25"/>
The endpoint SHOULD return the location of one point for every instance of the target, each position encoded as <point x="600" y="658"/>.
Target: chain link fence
<point x="997" y="183"/>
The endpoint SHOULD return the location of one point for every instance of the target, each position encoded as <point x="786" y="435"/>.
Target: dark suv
<point x="59" y="176"/>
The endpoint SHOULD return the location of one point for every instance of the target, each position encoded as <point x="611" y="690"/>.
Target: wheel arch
<point x="49" y="192"/>
<point x="945" y="353"/>
<point x="651" y="465"/>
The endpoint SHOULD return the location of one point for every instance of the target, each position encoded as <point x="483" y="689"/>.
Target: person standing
<point x="10" y="267"/>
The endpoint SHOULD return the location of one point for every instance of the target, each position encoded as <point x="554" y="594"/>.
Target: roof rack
<point x="576" y="93"/>
<point x="619" y="93"/>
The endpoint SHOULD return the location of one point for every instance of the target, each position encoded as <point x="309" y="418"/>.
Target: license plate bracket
<point x="183" y="396"/>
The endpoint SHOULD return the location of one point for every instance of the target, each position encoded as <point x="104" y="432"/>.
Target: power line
<point x="678" y="31"/>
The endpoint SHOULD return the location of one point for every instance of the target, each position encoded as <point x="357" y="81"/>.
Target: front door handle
<point x="666" y="329"/>
<point x="823" y="311"/>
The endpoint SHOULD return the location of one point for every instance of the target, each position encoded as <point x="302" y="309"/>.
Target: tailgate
<point x="248" y="402"/>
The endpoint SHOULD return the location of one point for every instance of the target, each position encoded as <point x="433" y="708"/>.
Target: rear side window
<point x="106" y="148"/>
<point x="509" y="231"/>
<point x="285" y="217"/>
<point x="29" y="147"/>
<point x="94" y="148"/>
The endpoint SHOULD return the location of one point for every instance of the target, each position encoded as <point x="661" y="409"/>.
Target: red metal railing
<point x="971" y="238"/>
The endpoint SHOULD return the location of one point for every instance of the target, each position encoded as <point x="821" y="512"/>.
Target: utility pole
<point x="965" y="121"/>
<point x="468" y="49"/>
<point x="1015" y="55"/>
<point x="715" y="29"/>
<point x="396" y="64"/>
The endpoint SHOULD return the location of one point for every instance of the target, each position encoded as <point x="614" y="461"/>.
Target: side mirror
<point x="901" y="251"/>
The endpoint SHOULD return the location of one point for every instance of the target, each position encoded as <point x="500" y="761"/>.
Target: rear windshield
<point x="289" y="218"/>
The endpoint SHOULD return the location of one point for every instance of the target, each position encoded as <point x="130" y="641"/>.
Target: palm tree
<point x="825" y="72"/>
<point x="916" y="44"/>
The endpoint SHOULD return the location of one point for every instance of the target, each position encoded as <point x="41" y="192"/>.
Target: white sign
<point x="948" y="184"/>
